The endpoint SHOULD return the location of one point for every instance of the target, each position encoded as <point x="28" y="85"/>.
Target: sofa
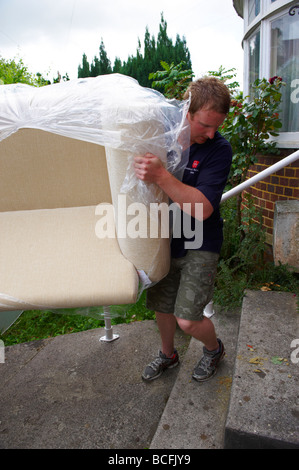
<point x="65" y="156"/>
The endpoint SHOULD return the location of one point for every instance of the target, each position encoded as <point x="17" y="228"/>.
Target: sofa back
<point x="42" y="170"/>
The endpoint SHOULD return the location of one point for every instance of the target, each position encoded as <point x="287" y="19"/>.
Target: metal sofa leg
<point x="109" y="336"/>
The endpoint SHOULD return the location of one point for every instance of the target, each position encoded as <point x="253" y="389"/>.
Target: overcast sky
<point x="52" y="35"/>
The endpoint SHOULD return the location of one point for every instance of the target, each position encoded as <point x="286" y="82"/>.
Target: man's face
<point x="203" y="125"/>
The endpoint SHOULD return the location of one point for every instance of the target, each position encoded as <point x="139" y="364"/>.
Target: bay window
<point x="271" y="48"/>
<point x="285" y="63"/>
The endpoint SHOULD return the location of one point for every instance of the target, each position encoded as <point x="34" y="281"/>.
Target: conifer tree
<point x="105" y="64"/>
<point x="144" y="62"/>
<point x="84" y="70"/>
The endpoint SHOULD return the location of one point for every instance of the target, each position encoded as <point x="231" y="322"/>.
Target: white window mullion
<point x="265" y="49"/>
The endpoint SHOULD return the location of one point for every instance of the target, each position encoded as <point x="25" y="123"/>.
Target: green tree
<point x="99" y="66"/>
<point x="149" y="50"/>
<point x="13" y="71"/>
<point x="41" y="81"/>
<point x="140" y="65"/>
<point x="164" y="43"/>
<point x="181" y="52"/>
<point x="155" y="52"/>
<point x="95" y="68"/>
<point x="117" y="65"/>
<point x="84" y="71"/>
<point x="105" y="64"/>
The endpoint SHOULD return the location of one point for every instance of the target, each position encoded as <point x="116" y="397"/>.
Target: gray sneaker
<point x="208" y="364"/>
<point x="161" y="363"/>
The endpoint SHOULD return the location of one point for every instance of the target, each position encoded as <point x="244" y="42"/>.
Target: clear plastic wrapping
<point x="110" y="110"/>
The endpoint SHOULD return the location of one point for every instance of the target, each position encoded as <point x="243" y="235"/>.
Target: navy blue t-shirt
<point x="207" y="170"/>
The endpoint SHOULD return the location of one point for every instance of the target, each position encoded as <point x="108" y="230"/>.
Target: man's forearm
<point x="150" y="169"/>
<point x="184" y="194"/>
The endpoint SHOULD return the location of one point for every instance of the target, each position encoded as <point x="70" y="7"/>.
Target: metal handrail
<point x="260" y="176"/>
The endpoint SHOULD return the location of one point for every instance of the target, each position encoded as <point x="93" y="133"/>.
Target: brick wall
<point x="280" y="186"/>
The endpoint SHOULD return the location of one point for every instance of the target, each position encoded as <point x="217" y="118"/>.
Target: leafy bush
<point x="250" y="125"/>
<point x="243" y="261"/>
<point x="174" y="79"/>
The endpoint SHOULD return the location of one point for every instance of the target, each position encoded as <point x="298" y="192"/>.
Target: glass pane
<point x="254" y="59"/>
<point x="254" y="8"/>
<point x="285" y="64"/>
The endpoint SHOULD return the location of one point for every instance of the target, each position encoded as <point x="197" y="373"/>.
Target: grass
<point x="35" y="325"/>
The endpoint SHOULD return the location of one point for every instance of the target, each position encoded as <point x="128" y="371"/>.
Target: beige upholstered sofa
<point x="51" y="256"/>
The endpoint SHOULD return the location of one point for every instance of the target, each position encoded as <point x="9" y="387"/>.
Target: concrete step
<point x="195" y="414"/>
<point x="264" y="404"/>
<point x="76" y="392"/>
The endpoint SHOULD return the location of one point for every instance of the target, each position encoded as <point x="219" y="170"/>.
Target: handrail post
<point x="109" y="336"/>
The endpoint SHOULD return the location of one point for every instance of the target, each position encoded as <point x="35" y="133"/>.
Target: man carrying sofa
<point x="183" y="294"/>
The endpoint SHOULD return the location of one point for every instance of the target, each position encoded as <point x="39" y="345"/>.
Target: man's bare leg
<point x="167" y="326"/>
<point x="167" y="358"/>
<point x="202" y="330"/>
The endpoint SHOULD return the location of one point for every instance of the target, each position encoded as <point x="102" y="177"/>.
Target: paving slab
<point x="264" y="404"/>
<point x="195" y="414"/>
<point x="76" y="392"/>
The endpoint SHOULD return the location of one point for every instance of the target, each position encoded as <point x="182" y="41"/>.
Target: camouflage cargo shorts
<point x="187" y="288"/>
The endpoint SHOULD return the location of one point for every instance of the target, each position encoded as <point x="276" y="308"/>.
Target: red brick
<point x="279" y="190"/>
<point x="271" y="188"/>
<point x="268" y="213"/>
<point x="267" y="196"/>
<point x="274" y="179"/>
<point x="268" y="222"/>
<point x="280" y="186"/>
<point x="296" y="193"/>
<point x="284" y="181"/>
<point x="259" y="194"/>
<point x="294" y="183"/>
<point x="290" y="172"/>
<point x="288" y="192"/>
<point x="280" y="172"/>
<point x="263" y="186"/>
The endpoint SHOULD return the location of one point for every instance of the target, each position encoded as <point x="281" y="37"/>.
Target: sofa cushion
<point x="52" y="258"/>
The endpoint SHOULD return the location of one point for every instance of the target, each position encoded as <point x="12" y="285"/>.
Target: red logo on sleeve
<point x="195" y="164"/>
